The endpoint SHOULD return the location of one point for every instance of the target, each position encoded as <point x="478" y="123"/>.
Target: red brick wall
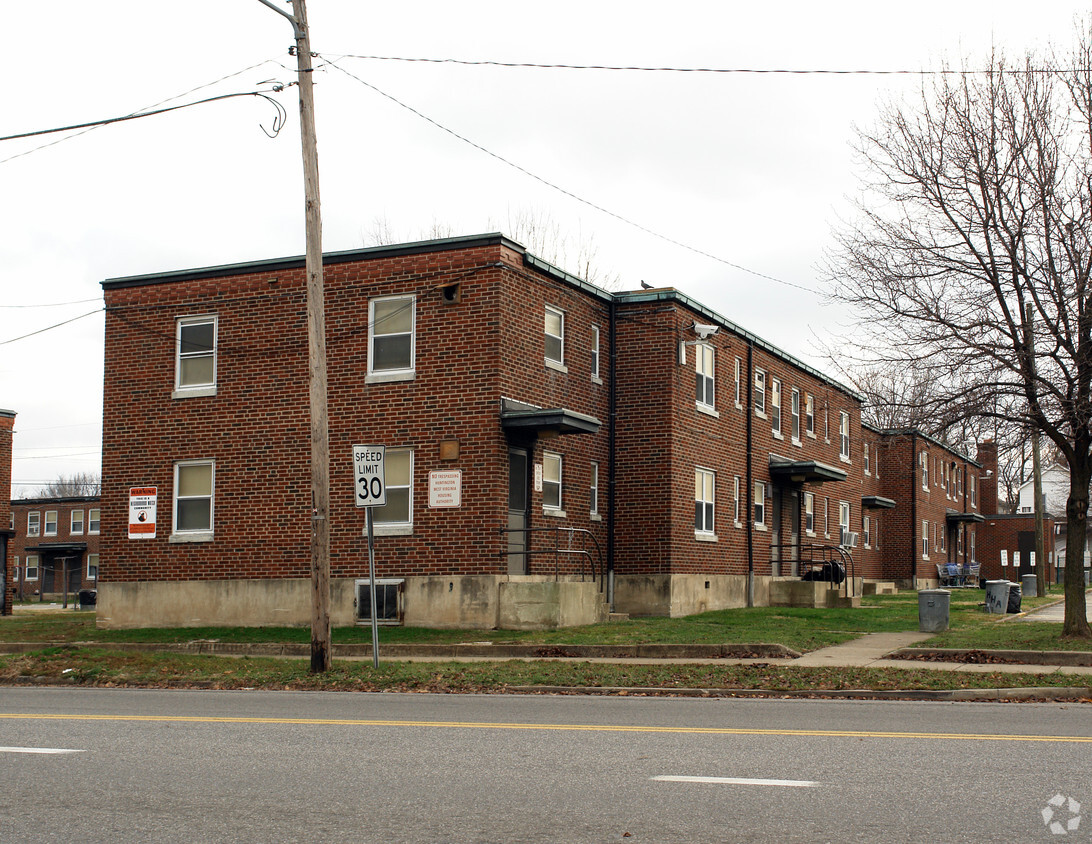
<point x="469" y="355"/>
<point x="1002" y="533"/>
<point x="7" y="422"/>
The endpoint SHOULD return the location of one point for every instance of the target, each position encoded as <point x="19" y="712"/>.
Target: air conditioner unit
<point x="849" y="540"/>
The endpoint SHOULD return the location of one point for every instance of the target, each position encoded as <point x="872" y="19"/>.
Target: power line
<point x="569" y="193"/>
<point x="51" y="327"/>
<point x="55" y="304"/>
<point x="669" y="69"/>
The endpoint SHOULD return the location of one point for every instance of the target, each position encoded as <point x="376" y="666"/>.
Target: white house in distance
<point x="1055" y="495"/>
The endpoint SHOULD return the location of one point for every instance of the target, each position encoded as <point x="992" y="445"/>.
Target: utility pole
<point x="316" y="348"/>
<point x="1036" y="469"/>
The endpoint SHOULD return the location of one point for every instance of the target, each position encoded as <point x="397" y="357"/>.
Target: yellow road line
<point x="500" y="725"/>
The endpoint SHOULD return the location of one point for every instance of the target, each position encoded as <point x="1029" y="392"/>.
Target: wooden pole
<point x="316" y="347"/>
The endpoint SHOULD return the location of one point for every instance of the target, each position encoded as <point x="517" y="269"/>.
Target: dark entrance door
<point x="1025" y="544"/>
<point x="518" y="489"/>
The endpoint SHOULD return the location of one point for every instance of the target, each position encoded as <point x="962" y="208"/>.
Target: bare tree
<point x="76" y="485"/>
<point x="972" y="255"/>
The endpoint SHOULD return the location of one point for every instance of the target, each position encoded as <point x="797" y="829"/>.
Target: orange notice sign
<point x="142" y="503"/>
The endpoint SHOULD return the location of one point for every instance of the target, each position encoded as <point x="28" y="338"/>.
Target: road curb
<point x="1012" y="657"/>
<point x="1070" y="693"/>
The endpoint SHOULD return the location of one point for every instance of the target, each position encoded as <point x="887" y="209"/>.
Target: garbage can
<point x="1014" y="597"/>
<point x="997" y="596"/>
<point x="933" y="610"/>
<point x="1029" y="585"/>
<point x="87" y="597"/>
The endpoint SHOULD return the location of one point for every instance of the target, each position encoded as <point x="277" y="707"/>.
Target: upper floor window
<point x="551" y="481"/>
<point x="795" y="415"/>
<point x="760" y="391"/>
<point x="391" y="338"/>
<point x="972" y="484"/>
<point x="809" y="414"/>
<point x="398" y="476"/>
<point x="595" y="351"/>
<point x="93" y="520"/>
<point x="704" y="490"/>
<point x="193" y="496"/>
<point x="555" y="336"/>
<point x="195" y="365"/>
<point x="34" y="523"/>
<point x="843" y="430"/>
<point x="739" y="381"/>
<point x="775" y="405"/>
<point x="704" y="358"/>
<point x="867" y="461"/>
<point x="50" y="523"/>
<point x="75" y="524"/>
<point x="923" y="459"/>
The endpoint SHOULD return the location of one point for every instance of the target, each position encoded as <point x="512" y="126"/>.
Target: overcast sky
<point x="753" y="170"/>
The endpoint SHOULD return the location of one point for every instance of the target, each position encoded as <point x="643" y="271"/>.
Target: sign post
<point x="370" y="491"/>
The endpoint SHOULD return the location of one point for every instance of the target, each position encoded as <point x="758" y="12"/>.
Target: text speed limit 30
<point x="371" y="486"/>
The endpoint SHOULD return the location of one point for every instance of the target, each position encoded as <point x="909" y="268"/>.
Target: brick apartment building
<point x="7" y="523"/>
<point x="55" y="549"/>
<point x="534" y="424"/>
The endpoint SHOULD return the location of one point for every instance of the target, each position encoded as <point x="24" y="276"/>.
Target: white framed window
<point x="195" y="355"/>
<point x="194" y="487"/>
<point x="970" y="546"/>
<point x="760" y="504"/>
<point x="15" y="563"/>
<point x="704" y="492"/>
<point x="843" y="431"/>
<point x="50" y="523"/>
<point x="75" y="523"/>
<point x="92" y="566"/>
<point x="923" y="459"/>
<point x="795" y="409"/>
<point x="551" y="481"/>
<point x="867" y="460"/>
<point x="735" y="500"/>
<point x="809" y="513"/>
<point x="826" y="517"/>
<point x="809" y="414"/>
<point x="93" y="521"/>
<point x="555" y="336"/>
<point x="925" y="539"/>
<point x="826" y="422"/>
<point x="396" y="516"/>
<point x="843" y="521"/>
<point x="775" y="406"/>
<point x="34" y="523"/>
<point x="392" y="331"/>
<point x="972" y="484"/>
<point x="739" y="382"/>
<point x="760" y="392"/>
<point x="866" y="530"/>
<point x="593" y="492"/>
<point x="31" y="567"/>
<point x="704" y="362"/>
<point x="595" y="351"/>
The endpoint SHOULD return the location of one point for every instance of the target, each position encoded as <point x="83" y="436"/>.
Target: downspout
<point x="914" y="482"/>
<point x="749" y="415"/>
<point x="612" y="414"/>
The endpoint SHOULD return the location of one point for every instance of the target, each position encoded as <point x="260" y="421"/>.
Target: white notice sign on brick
<point x="445" y="489"/>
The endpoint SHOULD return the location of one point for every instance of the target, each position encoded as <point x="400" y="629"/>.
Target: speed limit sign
<point x="371" y="486"/>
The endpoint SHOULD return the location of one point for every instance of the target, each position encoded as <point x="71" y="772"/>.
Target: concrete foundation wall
<point x="684" y="594"/>
<point x="480" y="602"/>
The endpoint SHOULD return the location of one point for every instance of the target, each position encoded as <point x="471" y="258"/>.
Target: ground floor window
<point x="704" y="486"/>
<point x="193" y="496"/>
<point x="31" y="567"/>
<point x="398" y="474"/>
<point x="551" y="481"/>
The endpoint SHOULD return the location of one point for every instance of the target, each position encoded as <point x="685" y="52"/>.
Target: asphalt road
<point x="196" y="766"/>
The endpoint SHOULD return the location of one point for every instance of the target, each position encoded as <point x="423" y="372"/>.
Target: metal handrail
<point x="817" y="554"/>
<point x="594" y="563"/>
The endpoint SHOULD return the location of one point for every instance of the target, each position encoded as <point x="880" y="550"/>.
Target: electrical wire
<point x="570" y="194"/>
<point x="51" y="327"/>
<point x="55" y="304"/>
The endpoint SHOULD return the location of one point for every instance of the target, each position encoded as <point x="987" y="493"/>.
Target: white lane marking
<point x="740" y="781"/>
<point x="38" y="750"/>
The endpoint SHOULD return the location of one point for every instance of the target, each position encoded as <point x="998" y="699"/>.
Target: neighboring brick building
<point x="7" y="524"/>
<point x="703" y="463"/>
<point x="56" y="542"/>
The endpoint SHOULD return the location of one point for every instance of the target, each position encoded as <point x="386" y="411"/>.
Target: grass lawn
<point x="800" y="629"/>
